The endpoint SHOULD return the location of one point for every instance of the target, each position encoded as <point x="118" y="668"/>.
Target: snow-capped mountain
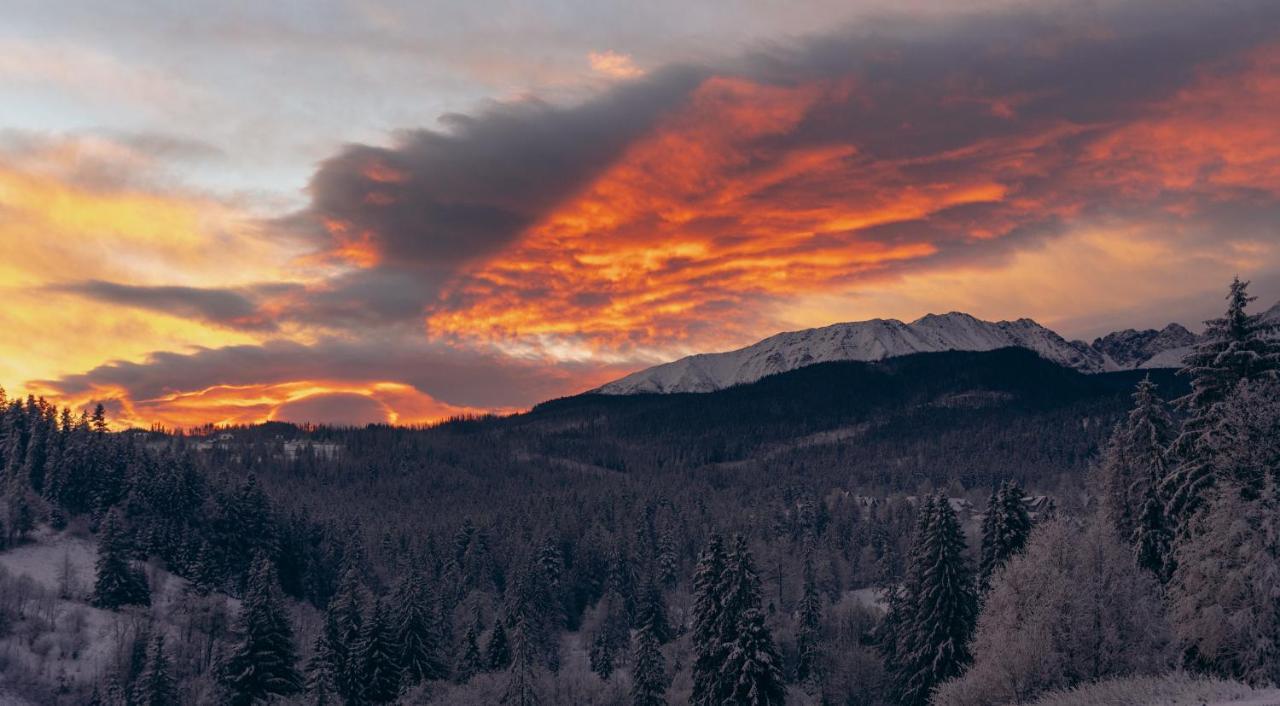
<point x="865" y="340"/>
<point x="1145" y="349"/>
<point x="885" y="338"/>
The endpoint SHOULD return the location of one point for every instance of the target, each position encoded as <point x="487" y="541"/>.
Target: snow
<point x="67" y="636"/>
<point x="862" y="341"/>
<point x="878" y="339"/>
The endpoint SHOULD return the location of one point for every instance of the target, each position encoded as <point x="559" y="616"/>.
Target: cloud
<point x="336" y="408"/>
<point x="438" y="199"/>
<point x="614" y="65"/>
<point x="454" y="380"/>
<point x="222" y="307"/>
<point x="531" y="248"/>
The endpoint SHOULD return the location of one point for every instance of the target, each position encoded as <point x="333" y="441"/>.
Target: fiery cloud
<point x="1062" y="167"/>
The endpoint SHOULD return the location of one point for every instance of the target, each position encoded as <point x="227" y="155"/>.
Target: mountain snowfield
<point x="878" y="339"/>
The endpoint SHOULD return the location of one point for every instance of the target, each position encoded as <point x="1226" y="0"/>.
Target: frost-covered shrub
<point x="1074" y="608"/>
<point x="1225" y="595"/>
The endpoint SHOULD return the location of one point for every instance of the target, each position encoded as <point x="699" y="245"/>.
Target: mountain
<point x="1130" y="349"/>
<point x="879" y="339"/>
<point x="956" y="414"/>
<point x="861" y="341"/>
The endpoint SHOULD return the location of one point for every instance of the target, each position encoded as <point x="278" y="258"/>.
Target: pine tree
<point x="417" y="633"/>
<point x="708" y="649"/>
<point x="1235" y="348"/>
<point x="1152" y="538"/>
<point x="751" y="673"/>
<point x="940" y="606"/>
<point x="155" y="685"/>
<point x="521" y="687"/>
<point x="1136" y="458"/>
<point x="380" y="674"/>
<point x="649" y="670"/>
<point x="614" y="633"/>
<point x="808" y="635"/>
<point x="322" y="689"/>
<point x="751" y="669"/>
<point x="344" y="622"/>
<point x="118" y="583"/>
<point x="1005" y="530"/>
<point x="264" y="662"/>
<point x="497" y="652"/>
<point x="471" y="663"/>
<point x="652" y="612"/>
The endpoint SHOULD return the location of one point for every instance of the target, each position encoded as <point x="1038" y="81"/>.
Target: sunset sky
<point x="347" y="212"/>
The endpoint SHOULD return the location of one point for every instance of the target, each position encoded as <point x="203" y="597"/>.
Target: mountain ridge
<point x="878" y="339"/>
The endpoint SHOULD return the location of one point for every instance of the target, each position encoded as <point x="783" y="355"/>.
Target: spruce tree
<point x="416" y="632"/>
<point x="1005" y="530"/>
<point x="808" y="635"/>
<point x="344" y="623"/>
<point x="155" y="685"/>
<point x="263" y="663"/>
<point x="708" y="649"/>
<point x="379" y="657"/>
<point x="653" y="612"/>
<point x="118" y="582"/>
<point x="750" y="672"/>
<point x="522" y="676"/>
<point x="940" y="606"/>
<point x="497" y="652"/>
<point x="1152" y="538"/>
<point x="1235" y="348"/>
<point x="322" y="689"/>
<point x="1136" y="458"/>
<point x="649" y="670"/>
<point x="471" y="663"/>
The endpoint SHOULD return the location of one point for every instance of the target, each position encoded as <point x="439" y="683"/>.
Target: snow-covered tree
<point x="648" y="670"/>
<point x="708" y="609"/>
<point x="809" y="631"/>
<point x="470" y="662"/>
<point x="497" y="651"/>
<point x="1224" y="597"/>
<point x="752" y="672"/>
<point x="416" y="632"/>
<point x="940" y="606"/>
<point x="521" y="687"/>
<point x="263" y="663"/>
<point x="118" y="582"/>
<point x="1237" y="347"/>
<point x="379" y="658"/>
<point x="652" y="611"/>
<point x="343" y="625"/>
<point x="155" y="686"/>
<point x="1135" y="458"/>
<point x="1071" y="609"/>
<point x="1005" y="529"/>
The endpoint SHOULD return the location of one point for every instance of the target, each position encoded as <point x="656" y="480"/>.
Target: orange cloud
<point x="295" y="401"/>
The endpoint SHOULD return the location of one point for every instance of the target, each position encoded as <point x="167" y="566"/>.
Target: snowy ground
<point x="1168" y="690"/>
<point x="55" y="636"/>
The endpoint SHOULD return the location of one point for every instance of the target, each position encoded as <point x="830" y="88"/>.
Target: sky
<point x="350" y="212"/>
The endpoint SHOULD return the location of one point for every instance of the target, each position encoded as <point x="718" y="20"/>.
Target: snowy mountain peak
<point x="865" y="341"/>
<point x="877" y="339"/>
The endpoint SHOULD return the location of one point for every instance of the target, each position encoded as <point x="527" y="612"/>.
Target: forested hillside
<point x="851" y="533"/>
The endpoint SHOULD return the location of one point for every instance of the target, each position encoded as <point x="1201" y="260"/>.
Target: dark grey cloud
<point x="231" y="308"/>
<point x="439" y="198"/>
